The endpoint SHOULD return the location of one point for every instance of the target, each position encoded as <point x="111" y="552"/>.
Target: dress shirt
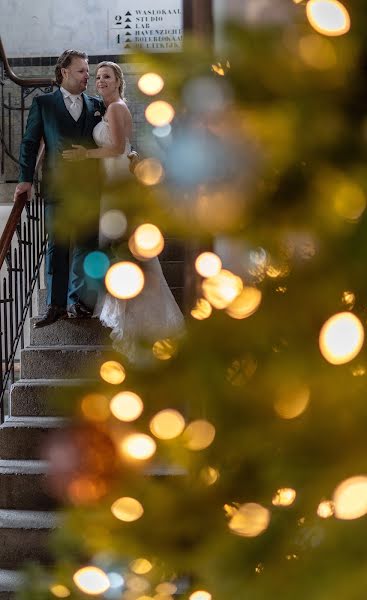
<point x="73" y="103"/>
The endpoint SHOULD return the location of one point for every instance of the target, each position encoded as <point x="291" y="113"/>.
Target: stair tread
<point x="30" y="467"/>
<point x="10" y="580"/>
<point x="35" y="422"/>
<point x="27" y="519"/>
<point x="54" y="382"/>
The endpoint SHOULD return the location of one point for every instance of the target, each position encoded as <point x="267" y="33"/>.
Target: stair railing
<point x="23" y="241"/>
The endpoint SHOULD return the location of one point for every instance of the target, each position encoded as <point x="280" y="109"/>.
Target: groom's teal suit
<point x="49" y="119"/>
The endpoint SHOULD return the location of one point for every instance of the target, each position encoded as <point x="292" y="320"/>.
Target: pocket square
<point x="97" y="114"/>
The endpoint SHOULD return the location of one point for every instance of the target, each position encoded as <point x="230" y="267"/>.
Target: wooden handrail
<point x="22" y="81"/>
<point x="16" y="212"/>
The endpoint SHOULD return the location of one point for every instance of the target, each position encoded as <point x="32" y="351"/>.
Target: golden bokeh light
<point x="329" y="17"/>
<point x="250" y="520"/>
<point x="151" y="84"/>
<point x="166" y="588"/>
<point x="167" y="424"/>
<point x="317" y="52"/>
<point x="124" y="280"/>
<point x="113" y="224"/>
<point x="159" y="113"/>
<point x="138" y="585"/>
<point x="91" y="580"/>
<point x="199" y="435"/>
<point x="245" y="304"/>
<point x="209" y="475"/>
<point x="208" y="264"/>
<point x="348" y="298"/>
<point x="358" y="371"/>
<point x="350" y="498"/>
<point x="284" y="497"/>
<point x="349" y="200"/>
<point x="291" y="401"/>
<point x="326" y="509"/>
<point x="127" y="509"/>
<point x="200" y="595"/>
<point x="112" y="372"/>
<point x="202" y="310"/>
<point x="60" y="591"/>
<point x="138" y="446"/>
<point x="165" y="349"/>
<point x="149" y="171"/>
<point x="95" y="408"/>
<point x="126" y="406"/>
<point x="341" y="338"/>
<point x="141" y="566"/>
<point x="220" y="290"/>
<point x="147" y="241"/>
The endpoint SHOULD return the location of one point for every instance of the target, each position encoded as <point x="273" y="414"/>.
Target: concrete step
<point x="24" y="537"/>
<point x="23" y="485"/>
<point x="62" y="362"/>
<point x="46" y="397"/>
<point x="22" y="438"/>
<point x="10" y="582"/>
<point x="78" y="332"/>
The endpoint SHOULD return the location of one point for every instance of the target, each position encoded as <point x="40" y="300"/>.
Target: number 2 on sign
<point x="118" y="20"/>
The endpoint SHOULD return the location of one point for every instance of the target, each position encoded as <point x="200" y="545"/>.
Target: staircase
<point x="51" y="365"/>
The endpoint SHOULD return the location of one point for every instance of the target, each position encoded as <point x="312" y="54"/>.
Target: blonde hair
<point x="118" y="74"/>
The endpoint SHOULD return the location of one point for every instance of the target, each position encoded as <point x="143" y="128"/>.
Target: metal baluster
<point x="5" y="302"/>
<point x="10" y="313"/>
<point x="21" y="286"/>
<point x="1" y="365"/>
<point x="29" y="256"/>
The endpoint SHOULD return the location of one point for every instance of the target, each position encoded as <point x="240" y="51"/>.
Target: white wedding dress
<point x="154" y="313"/>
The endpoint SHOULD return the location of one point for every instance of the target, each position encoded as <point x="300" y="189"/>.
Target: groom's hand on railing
<point x="25" y="186"/>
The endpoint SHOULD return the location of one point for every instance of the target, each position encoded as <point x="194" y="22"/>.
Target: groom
<point x="62" y="118"/>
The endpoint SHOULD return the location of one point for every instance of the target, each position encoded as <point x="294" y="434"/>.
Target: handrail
<point x="16" y="211"/>
<point x="22" y="81"/>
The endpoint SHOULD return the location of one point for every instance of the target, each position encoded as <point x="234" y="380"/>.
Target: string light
<point x="138" y="446"/>
<point x="112" y="372"/>
<point x="91" y="580"/>
<point x="126" y="406"/>
<point x="127" y="509"/>
<point x="151" y="84"/>
<point x="341" y="338"/>
<point x="124" y="280"/>
<point x="329" y="17"/>
<point x="159" y="113"/>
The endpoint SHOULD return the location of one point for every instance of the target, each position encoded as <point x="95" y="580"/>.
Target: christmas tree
<point x="230" y="462"/>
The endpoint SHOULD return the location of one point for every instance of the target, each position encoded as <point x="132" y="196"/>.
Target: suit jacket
<point x="49" y="119"/>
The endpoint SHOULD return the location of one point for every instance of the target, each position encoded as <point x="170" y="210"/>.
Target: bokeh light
<point x="250" y="520"/>
<point x="96" y="264"/>
<point x="202" y="310"/>
<point x="246" y="304"/>
<point x="166" y="588"/>
<point x="112" y="372"/>
<point x="60" y="591"/>
<point x="167" y="424"/>
<point x="317" y="52"/>
<point x="162" y="132"/>
<point x="95" y="407"/>
<point x="200" y="595"/>
<point x="199" y="435"/>
<point x="291" y="400"/>
<point x="326" y="509"/>
<point x="159" y="113"/>
<point x="208" y="264"/>
<point x="137" y="585"/>
<point x="149" y="171"/>
<point x="127" y="509"/>
<point x="284" y="497"/>
<point x="222" y="289"/>
<point x="141" y="566"/>
<point x="349" y="200"/>
<point x="329" y="17"/>
<point x="151" y="84"/>
<point x="209" y="475"/>
<point x="165" y="349"/>
<point x="341" y="338"/>
<point x="113" y="224"/>
<point x="91" y="580"/>
<point x="350" y="498"/>
<point x="124" y="280"/>
<point x="138" y="446"/>
<point x="126" y="406"/>
<point x="147" y="241"/>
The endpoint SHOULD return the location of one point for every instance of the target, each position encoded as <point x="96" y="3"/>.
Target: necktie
<point x="75" y="108"/>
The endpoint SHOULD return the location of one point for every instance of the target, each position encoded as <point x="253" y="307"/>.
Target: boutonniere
<point x="97" y="114"/>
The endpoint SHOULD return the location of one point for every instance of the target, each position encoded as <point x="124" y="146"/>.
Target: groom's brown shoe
<point x="79" y="311"/>
<point x="53" y="313"/>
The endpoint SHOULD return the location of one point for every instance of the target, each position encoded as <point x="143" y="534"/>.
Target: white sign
<point x="98" y="27"/>
<point x="158" y="29"/>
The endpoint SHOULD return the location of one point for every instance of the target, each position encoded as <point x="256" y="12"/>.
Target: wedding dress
<point x="153" y="314"/>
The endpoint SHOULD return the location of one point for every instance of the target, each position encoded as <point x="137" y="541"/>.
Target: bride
<point x="153" y="314"/>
